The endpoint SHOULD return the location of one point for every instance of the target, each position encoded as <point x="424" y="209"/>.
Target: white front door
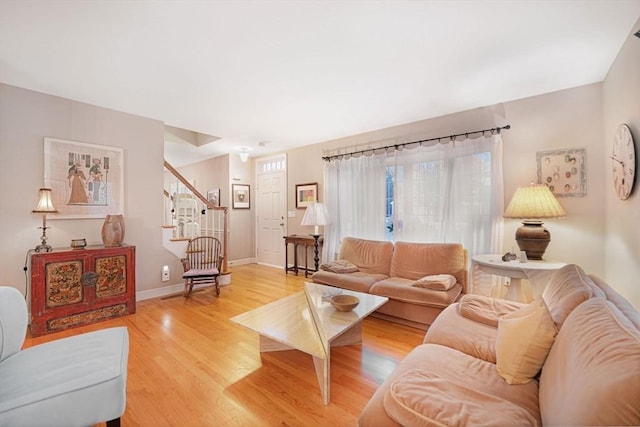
<point x="272" y="205"/>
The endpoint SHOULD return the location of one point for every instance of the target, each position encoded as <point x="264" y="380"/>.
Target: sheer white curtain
<point x="355" y="193"/>
<point x="451" y="193"/>
<point x="441" y="193"/>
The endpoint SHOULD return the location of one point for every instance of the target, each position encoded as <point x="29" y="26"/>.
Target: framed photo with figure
<point x="306" y="194"/>
<point x="86" y="180"/>
<point x="241" y="196"/>
<point x="213" y="196"/>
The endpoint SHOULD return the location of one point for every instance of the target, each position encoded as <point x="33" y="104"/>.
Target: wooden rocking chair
<point x="202" y="264"/>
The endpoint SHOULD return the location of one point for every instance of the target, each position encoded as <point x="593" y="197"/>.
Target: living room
<point x="600" y="232"/>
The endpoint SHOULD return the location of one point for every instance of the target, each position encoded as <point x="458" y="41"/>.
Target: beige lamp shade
<point x="316" y="215"/>
<point x="532" y="203"/>
<point x="45" y="204"/>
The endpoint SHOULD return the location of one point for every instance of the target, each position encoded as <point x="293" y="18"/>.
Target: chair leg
<point x="217" y="287"/>
<point x="188" y="287"/>
<point x="113" y="423"/>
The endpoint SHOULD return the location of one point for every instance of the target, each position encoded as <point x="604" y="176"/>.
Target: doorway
<point x="271" y="210"/>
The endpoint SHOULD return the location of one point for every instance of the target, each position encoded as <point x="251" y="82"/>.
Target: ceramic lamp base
<point x="533" y="238"/>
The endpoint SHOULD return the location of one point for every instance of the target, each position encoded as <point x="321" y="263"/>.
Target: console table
<point x="538" y="272"/>
<point x="75" y="287"/>
<point x="305" y="241"/>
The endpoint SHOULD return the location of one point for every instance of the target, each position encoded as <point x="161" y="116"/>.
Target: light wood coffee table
<point x="306" y="321"/>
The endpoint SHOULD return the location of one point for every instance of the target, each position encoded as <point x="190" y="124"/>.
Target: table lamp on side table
<point x="45" y="206"/>
<point x="532" y="203"/>
<point x="316" y="215"/>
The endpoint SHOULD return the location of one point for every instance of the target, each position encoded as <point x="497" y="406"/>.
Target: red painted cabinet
<point x="71" y="288"/>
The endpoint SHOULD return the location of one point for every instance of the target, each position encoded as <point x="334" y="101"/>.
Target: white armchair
<point x="74" y="381"/>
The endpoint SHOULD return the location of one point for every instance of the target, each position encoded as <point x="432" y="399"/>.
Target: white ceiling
<point x="293" y="73"/>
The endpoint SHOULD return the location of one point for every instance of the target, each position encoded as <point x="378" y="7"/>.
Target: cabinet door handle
<point x="90" y="278"/>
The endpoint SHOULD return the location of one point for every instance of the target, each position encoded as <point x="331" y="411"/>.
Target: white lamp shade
<point x="45" y="204"/>
<point x="534" y="201"/>
<point x="316" y="214"/>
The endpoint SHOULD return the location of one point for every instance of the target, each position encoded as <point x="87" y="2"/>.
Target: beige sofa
<point x="590" y="371"/>
<point x="391" y="270"/>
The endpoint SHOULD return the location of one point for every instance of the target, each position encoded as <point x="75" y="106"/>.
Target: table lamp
<point x="532" y="203"/>
<point x="45" y="206"/>
<point x="316" y="215"/>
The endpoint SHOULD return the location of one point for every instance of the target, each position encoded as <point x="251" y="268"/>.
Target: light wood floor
<point x="189" y="365"/>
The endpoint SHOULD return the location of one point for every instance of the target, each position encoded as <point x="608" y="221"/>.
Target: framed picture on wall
<point x="563" y="171"/>
<point x="86" y="180"/>
<point x="213" y="196"/>
<point x="306" y="194"/>
<point x="241" y="196"/>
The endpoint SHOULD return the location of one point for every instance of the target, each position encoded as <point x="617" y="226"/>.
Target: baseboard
<point x="271" y="265"/>
<point x="242" y="261"/>
<point x="179" y="287"/>
<point x="166" y="290"/>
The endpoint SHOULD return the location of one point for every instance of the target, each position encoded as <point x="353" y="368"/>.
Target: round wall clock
<point x="623" y="162"/>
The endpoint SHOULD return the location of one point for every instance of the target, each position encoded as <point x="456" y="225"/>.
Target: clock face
<point x="623" y="162"/>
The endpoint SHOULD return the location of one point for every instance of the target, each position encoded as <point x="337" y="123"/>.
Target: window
<point x="443" y="193"/>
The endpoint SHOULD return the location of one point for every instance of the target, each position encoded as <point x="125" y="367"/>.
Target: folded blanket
<point x="437" y="282"/>
<point x="486" y="310"/>
<point x="340" y="266"/>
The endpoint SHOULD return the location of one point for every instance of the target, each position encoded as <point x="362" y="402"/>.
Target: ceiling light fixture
<point x="244" y="153"/>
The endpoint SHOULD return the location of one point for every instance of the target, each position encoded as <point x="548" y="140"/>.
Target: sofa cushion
<point x="401" y="289"/>
<point x="485" y="309"/>
<point x="455" y="367"/>
<point x="425" y="398"/>
<point x="78" y="380"/>
<point x="591" y="376"/>
<point x="437" y="282"/>
<point x="568" y="287"/>
<point x="415" y="260"/>
<point x="453" y="330"/>
<point x="358" y="281"/>
<point x="370" y="256"/>
<point x="523" y="342"/>
<point x="13" y="321"/>
<point x="616" y="299"/>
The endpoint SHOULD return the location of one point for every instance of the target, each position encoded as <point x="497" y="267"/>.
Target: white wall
<point x="567" y="119"/>
<point x="242" y="222"/>
<point x="26" y="117"/>
<point x="622" y="105"/>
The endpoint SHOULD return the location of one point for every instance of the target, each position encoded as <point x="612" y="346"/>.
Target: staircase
<point x="188" y="214"/>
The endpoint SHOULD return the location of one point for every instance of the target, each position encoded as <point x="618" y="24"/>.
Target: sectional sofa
<point x="572" y="357"/>
<point x="382" y="268"/>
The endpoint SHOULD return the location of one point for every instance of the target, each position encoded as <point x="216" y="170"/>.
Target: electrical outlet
<point x="165" y="273"/>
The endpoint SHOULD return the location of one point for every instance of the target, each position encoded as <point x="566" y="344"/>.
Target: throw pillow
<point x="437" y="282"/>
<point x="523" y="342"/>
<point x="339" y="266"/>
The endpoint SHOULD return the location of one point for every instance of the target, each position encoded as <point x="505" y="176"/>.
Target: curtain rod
<point x="398" y="146"/>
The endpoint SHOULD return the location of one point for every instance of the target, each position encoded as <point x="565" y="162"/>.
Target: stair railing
<point x="193" y="215"/>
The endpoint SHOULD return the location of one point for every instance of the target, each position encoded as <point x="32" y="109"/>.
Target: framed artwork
<point x="86" y="180"/>
<point x="241" y="196"/>
<point x="563" y="171"/>
<point x="306" y="194"/>
<point x="213" y="196"/>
